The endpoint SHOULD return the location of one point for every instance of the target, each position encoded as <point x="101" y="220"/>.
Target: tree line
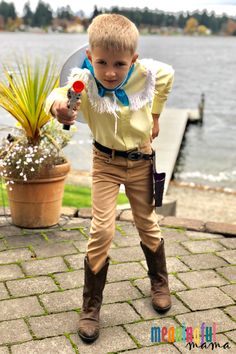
<point x="43" y="16"/>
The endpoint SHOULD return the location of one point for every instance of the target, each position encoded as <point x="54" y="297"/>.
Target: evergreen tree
<point x="7" y="10"/>
<point x="214" y="24"/>
<point x="205" y="19"/>
<point x="96" y="12"/>
<point x="171" y="21"/>
<point x="65" y="13"/>
<point x="181" y="20"/>
<point x="43" y="15"/>
<point x="28" y="14"/>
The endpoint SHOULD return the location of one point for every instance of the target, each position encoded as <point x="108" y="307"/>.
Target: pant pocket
<point x="98" y="155"/>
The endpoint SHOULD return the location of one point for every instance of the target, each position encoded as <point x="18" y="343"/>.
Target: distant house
<point x="75" y="28"/>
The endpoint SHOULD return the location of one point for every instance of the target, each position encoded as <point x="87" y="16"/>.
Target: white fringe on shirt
<point x="108" y="104"/>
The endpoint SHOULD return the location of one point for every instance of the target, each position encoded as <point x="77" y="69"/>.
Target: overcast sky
<point x="219" y="6"/>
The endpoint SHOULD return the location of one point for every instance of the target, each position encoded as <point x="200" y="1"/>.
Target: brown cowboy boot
<point x="157" y="272"/>
<point x="92" y="301"/>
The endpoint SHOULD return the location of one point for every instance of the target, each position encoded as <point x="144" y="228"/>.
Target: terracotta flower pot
<point x="37" y="203"/>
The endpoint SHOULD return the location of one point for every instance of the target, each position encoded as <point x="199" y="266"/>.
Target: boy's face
<point x="110" y="67"/>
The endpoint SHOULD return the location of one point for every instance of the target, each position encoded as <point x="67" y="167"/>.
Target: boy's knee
<point x="102" y="229"/>
<point x="102" y="236"/>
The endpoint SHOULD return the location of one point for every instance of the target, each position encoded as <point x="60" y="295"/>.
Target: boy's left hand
<point x="155" y="128"/>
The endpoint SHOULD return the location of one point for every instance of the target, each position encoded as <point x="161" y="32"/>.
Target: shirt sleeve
<point x="57" y="94"/>
<point x="163" y="85"/>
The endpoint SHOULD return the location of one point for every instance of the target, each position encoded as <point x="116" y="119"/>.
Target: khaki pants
<point x="108" y="174"/>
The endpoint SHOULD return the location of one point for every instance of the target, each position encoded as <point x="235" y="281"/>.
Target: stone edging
<point x="168" y="221"/>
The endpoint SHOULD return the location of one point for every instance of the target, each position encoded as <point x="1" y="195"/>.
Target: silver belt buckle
<point x="135" y="155"/>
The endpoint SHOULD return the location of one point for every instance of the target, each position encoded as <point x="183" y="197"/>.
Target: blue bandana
<point x="119" y="92"/>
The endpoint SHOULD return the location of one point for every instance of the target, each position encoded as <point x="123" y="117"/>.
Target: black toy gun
<point x="73" y="95"/>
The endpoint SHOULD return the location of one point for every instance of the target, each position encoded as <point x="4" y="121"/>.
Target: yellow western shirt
<point x="112" y="124"/>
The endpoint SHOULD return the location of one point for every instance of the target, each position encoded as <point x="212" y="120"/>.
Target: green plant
<point x="24" y="92"/>
<point x="38" y="139"/>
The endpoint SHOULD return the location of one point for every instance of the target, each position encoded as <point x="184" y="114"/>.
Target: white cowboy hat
<point x="76" y="59"/>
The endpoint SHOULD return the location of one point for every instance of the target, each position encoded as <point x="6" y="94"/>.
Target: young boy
<point x="116" y="106"/>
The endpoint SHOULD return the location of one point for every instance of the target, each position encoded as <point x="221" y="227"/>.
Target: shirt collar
<point x="118" y="91"/>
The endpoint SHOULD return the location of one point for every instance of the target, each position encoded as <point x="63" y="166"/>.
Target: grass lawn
<point x="74" y="196"/>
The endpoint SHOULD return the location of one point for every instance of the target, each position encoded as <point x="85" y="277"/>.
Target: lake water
<point x="202" y="64"/>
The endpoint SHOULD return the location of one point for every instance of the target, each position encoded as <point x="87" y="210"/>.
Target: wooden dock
<point x="173" y="122"/>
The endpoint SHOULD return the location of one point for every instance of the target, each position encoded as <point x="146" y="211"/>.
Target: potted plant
<point x="31" y="159"/>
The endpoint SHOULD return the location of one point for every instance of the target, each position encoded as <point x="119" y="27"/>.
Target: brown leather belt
<point x="133" y="155"/>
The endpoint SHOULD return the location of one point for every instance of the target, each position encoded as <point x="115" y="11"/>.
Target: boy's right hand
<point x="63" y="114"/>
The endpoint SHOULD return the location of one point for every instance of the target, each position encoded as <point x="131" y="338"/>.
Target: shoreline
<point x="205" y="187"/>
<point x="203" y="202"/>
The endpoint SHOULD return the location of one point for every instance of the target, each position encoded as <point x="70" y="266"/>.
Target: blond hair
<point x="113" y="31"/>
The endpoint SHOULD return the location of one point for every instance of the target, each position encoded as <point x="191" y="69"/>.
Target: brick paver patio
<point x="41" y="279"/>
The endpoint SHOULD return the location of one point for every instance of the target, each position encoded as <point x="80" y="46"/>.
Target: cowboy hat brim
<point x="76" y="59"/>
